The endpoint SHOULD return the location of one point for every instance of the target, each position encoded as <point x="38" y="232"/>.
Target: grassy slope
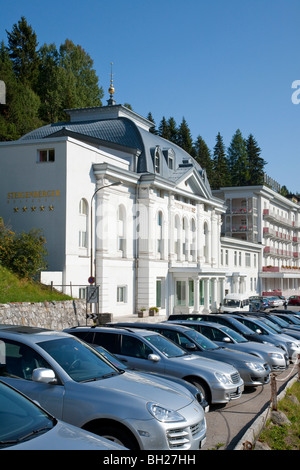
<point x="13" y="289"/>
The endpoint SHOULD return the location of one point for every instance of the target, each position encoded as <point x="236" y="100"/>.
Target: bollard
<point x="273" y="392"/>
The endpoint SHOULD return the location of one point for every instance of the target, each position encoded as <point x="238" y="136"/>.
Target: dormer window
<point x="157" y="161"/>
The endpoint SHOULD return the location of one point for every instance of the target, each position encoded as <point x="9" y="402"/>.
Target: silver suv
<point x="76" y="384"/>
<point x="149" y="351"/>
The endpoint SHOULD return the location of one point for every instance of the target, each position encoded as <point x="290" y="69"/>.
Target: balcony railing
<point x="281" y="269"/>
<point x="269" y="214"/>
<point x="267" y="231"/>
<point x="278" y="252"/>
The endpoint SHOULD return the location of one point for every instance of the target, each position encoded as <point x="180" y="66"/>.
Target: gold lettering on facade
<point x="33" y="194"/>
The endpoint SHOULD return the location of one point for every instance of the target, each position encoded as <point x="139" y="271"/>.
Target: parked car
<point x="292" y="320"/>
<point x="280" y="325"/>
<point x="274" y="301"/>
<point x="291" y="344"/>
<point x="253" y="370"/>
<point x="121" y="365"/>
<point x="294" y="300"/>
<point x="234" y="302"/>
<point x="75" y="383"/>
<point x="149" y="351"/>
<point x="26" y="426"/>
<point x="231" y="322"/>
<point x="226" y="337"/>
<point x="258" y="303"/>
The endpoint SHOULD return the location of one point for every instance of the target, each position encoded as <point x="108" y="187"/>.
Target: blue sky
<point x="223" y="65"/>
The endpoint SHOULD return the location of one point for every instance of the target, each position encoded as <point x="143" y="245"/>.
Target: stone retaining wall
<point x="53" y="315"/>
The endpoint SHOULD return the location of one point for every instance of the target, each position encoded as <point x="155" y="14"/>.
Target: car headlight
<point x="164" y="414"/>
<point x="255" y="366"/>
<point x="276" y="355"/>
<point x="222" y="378"/>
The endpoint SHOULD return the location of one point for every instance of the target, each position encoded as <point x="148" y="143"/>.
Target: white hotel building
<point x="131" y="209"/>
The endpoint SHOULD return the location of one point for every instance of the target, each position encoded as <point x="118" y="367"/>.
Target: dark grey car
<point x="252" y="369"/>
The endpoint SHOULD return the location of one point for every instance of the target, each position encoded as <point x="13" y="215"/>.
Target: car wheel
<point x="119" y="436"/>
<point x="203" y="388"/>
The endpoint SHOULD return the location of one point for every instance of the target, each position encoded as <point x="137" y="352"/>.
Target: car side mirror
<point x="190" y="346"/>
<point x="226" y="339"/>
<point x="42" y="375"/>
<point x="153" y="358"/>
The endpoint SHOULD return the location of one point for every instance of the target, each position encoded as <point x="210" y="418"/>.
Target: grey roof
<point x="124" y="132"/>
<point x="121" y="131"/>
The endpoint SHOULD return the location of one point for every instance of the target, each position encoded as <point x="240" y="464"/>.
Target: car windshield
<point x="234" y="334"/>
<point x="202" y="341"/>
<point x="110" y="357"/>
<point x="243" y="329"/>
<point x="280" y="321"/>
<point x="165" y="346"/>
<point x="272" y="324"/>
<point x="231" y="303"/>
<point x="294" y="320"/>
<point x="20" y="419"/>
<point x="266" y="329"/>
<point x="81" y="362"/>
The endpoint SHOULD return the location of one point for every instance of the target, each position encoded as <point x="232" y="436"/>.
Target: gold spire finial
<point x="111" y="89"/>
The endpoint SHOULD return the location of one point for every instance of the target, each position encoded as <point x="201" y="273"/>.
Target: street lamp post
<point x="116" y="183"/>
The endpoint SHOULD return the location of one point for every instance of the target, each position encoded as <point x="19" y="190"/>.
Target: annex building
<point x="132" y="211"/>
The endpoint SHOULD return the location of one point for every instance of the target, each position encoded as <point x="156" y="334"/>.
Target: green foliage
<point x="221" y="175"/>
<point x="285" y="437"/>
<point x="24" y="254"/>
<point x="42" y="82"/>
<point x="14" y="289"/>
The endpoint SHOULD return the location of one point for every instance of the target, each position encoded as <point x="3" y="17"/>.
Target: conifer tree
<point x="172" y="130"/>
<point x="22" y="46"/>
<point x="184" y="138"/>
<point x="153" y="129"/>
<point x="255" y="162"/>
<point x="163" y="129"/>
<point x="221" y="176"/>
<point x="238" y="161"/>
<point x="202" y="155"/>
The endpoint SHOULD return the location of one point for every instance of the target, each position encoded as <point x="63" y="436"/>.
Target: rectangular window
<point x="201" y="292"/>
<point x="158" y="292"/>
<point x="46" y="155"/>
<point x="191" y="293"/>
<point x="82" y="239"/>
<point x="121" y="294"/>
<point x="248" y="259"/>
<point x="180" y="293"/>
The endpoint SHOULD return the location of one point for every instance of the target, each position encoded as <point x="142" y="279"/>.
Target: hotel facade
<point x="133" y="214"/>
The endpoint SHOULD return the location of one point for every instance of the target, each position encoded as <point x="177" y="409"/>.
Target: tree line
<point x="43" y="81"/>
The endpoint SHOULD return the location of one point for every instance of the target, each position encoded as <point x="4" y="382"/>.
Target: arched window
<point x="83" y="223"/>
<point x="122" y="230"/>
